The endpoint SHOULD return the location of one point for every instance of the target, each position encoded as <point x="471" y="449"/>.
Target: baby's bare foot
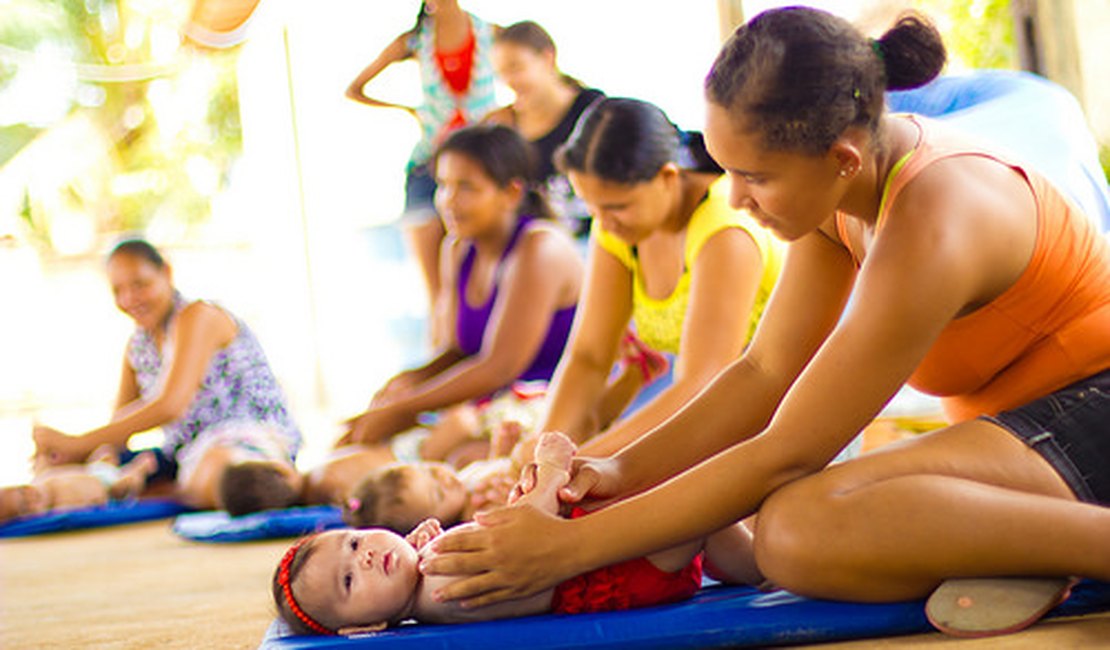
<point x="555" y="450"/>
<point x="133" y="476"/>
<point x="505" y="436"/>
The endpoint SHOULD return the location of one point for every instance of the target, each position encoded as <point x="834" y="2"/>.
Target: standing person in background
<point x="547" y="106"/>
<point x="452" y="48"/>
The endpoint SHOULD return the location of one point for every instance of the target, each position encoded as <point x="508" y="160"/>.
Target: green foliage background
<point x="86" y="31"/>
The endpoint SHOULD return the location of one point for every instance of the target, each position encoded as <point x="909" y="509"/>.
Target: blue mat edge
<point x="219" y="527"/>
<point x="718" y="616"/>
<point x="111" y="514"/>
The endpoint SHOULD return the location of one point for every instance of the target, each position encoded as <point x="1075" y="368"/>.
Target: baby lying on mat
<point x="352" y="581"/>
<point x="77" y="486"/>
<point x="401" y="495"/>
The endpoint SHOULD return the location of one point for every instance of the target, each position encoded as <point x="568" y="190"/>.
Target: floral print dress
<point x="238" y="387"/>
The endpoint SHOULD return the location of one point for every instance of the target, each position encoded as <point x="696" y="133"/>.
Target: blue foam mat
<point x="217" y="526"/>
<point x="111" y="514"/>
<point x="718" y="616"/>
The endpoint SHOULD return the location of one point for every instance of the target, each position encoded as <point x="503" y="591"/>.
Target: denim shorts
<point x="167" y="465"/>
<point x="420" y="194"/>
<point x="1071" y="430"/>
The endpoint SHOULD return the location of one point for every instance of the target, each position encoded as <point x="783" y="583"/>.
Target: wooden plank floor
<point x="136" y="586"/>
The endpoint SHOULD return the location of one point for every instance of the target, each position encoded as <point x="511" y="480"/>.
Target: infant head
<point x="400" y="496"/>
<point x="251" y="486"/>
<point x="341" y="581"/>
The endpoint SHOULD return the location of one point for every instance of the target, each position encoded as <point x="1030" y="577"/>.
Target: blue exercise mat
<point x="718" y="616"/>
<point x="111" y="514"/>
<point x="218" y="526"/>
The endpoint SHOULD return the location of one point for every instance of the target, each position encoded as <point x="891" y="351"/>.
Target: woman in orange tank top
<point x="969" y="276"/>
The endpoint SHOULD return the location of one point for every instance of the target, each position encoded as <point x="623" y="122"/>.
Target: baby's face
<point x="358" y="577"/>
<point x="433" y="490"/>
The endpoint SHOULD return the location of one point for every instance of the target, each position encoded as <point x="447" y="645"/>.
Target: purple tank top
<point x="471" y="322"/>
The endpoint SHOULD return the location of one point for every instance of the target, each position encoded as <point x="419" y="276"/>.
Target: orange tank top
<point x="1049" y="329"/>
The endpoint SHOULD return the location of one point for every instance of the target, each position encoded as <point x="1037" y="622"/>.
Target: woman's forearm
<point x="574" y="398"/>
<point x="132" y="420"/>
<point x="735" y="406"/>
<point x="468" y="379"/>
<point x="682" y="509"/>
<point x="442" y="362"/>
<point x="665" y="404"/>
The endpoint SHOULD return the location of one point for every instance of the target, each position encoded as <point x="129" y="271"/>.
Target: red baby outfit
<point x="627" y="585"/>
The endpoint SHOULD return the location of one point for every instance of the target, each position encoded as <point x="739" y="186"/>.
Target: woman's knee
<point x="796" y="532"/>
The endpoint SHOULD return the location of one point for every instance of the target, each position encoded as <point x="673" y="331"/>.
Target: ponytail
<point x="912" y="53"/>
<point x="800" y="76"/>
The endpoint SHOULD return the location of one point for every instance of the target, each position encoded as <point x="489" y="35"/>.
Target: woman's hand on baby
<point x="395" y="388"/>
<point x="509" y="553"/>
<point x="593" y="482"/>
<point x="376" y="425"/>
<point x="52" y="447"/>
<point x="424" y="532"/>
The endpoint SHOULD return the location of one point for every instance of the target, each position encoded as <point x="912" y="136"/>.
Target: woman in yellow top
<point x="666" y="252"/>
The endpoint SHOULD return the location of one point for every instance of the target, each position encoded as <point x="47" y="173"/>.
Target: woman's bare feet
<point x="634" y="353"/>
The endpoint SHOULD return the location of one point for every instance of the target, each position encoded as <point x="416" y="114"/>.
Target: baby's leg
<point x="553" y="454"/>
<point x="456" y="425"/>
<point x="504" y="438"/>
<point x="331" y="482"/>
<point x="729" y="556"/>
<point x="133" y="475"/>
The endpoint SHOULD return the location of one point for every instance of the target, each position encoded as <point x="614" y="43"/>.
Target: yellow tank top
<point x="659" y="322"/>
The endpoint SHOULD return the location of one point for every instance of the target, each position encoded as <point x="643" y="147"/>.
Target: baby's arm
<point x="430" y="611"/>
<point x="424" y="532"/>
<point x="552" y="471"/>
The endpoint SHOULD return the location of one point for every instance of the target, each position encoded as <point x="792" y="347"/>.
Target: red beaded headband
<point x="287" y="590"/>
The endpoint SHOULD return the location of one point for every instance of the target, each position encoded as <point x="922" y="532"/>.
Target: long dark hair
<point x="505" y="156"/>
<point x="628" y="141"/>
<point x="801" y="76"/>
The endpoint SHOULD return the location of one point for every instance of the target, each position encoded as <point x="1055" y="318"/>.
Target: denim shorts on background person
<point x="420" y="194"/>
<point x="167" y="466"/>
<point x="1071" y="430"/>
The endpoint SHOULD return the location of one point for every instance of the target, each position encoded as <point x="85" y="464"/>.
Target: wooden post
<point x="730" y="16"/>
<point x="1047" y="39"/>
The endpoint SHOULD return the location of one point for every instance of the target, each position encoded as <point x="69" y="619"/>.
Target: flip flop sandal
<point x="644" y="358"/>
<point x="978" y="607"/>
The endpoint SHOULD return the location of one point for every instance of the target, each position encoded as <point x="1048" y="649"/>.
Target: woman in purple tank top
<point x="510" y="284"/>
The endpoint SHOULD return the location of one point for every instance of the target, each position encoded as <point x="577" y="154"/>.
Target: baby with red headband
<point x="352" y="581"/>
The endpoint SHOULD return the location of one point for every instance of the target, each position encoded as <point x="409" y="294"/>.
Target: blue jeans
<point x="420" y="194"/>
